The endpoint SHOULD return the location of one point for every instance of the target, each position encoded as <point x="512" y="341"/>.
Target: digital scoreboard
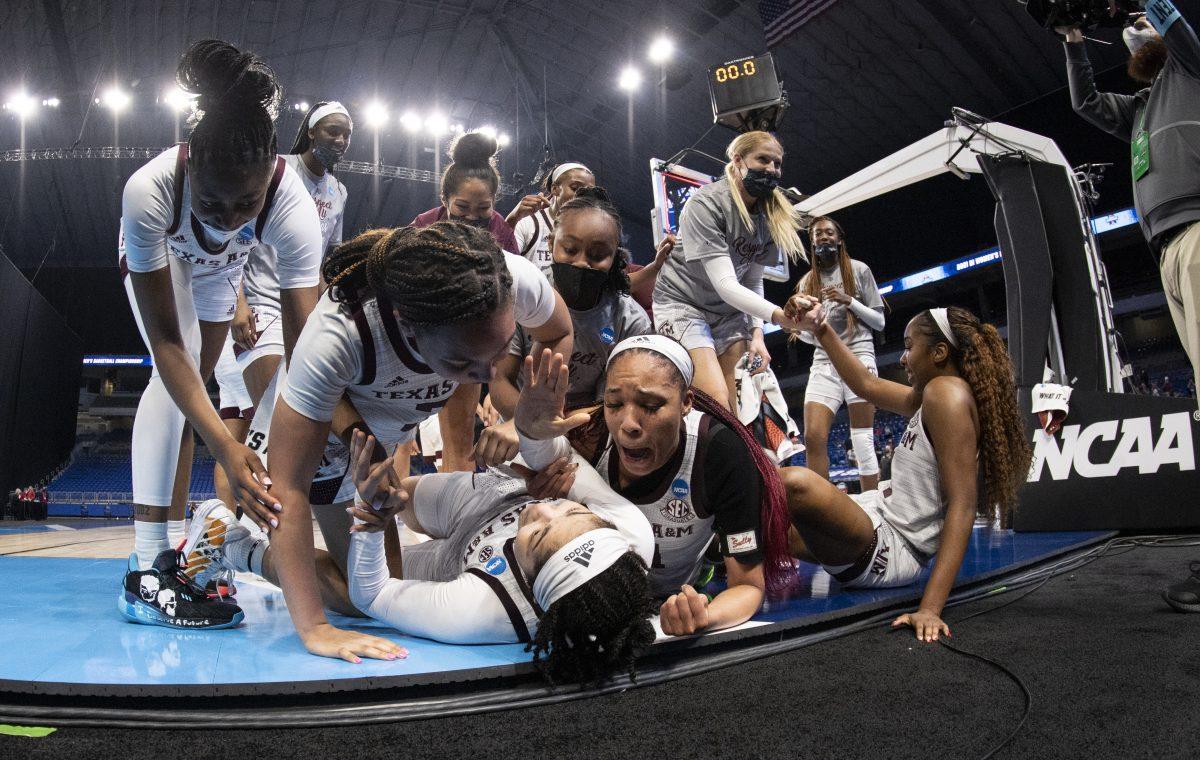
<point x="740" y="88"/>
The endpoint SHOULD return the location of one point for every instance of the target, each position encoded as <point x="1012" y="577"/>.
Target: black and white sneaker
<point x="164" y="595"/>
<point x="1185" y="595"/>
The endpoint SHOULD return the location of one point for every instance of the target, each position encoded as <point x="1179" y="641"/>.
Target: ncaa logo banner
<point x="1119" y="461"/>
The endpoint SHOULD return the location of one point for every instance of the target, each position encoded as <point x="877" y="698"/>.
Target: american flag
<point x="781" y="18"/>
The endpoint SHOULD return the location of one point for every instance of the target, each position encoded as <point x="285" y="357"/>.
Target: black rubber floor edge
<point x="512" y="690"/>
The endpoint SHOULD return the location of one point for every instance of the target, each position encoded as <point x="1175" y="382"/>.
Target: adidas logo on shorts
<point x="398" y="380"/>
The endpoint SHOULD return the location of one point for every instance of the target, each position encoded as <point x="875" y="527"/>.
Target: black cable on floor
<point x="1016" y="679"/>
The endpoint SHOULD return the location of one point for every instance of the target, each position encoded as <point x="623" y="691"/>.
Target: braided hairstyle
<point x="441" y="274"/>
<point x="302" y="142"/>
<point x="778" y="569"/>
<point x="473" y="156"/>
<point x="238" y="100"/>
<point x="597" y="199"/>
<point x="599" y="628"/>
<point x="983" y="361"/>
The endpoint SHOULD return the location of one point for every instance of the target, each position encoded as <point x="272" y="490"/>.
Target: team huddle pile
<point x="616" y="474"/>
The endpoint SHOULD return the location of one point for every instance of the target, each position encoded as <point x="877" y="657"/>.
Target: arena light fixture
<point x="411" y="121"/>
<point x="115" y="99"/>
<point x="178" y="100"/>
<point x="457" y="129"/>
<point x="489" y="131"/>
<point x="436" y="124"/>
<point x="21" y="104"/>
<point x="503" y="139"/>
<point x="630" y="79"/>
<point x="51" y="102"/>
<point x="375" y="114"/>
<point x="661" y="50"/>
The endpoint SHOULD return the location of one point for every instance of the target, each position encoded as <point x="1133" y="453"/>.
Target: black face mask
<point x="482" y="224"/>
<point x="580" y="287"/>
<point x="827" y="254"/>
<point x="759" y="183"/>
<point x="326" y="155"/>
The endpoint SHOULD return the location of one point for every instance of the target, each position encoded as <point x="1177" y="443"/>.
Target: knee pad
<point x="863" y="440"/>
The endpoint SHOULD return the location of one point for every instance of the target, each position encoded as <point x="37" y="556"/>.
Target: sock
<point x="176" y="529"/>
<point x="149" y="540"/>
<point x="247" y="554"/>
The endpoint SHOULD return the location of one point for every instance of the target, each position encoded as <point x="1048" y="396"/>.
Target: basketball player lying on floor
<point x="408" y="315"/>
<point x="964" y="423"/>
<point x="565" y="576"/>
<point x="691" y="468"/>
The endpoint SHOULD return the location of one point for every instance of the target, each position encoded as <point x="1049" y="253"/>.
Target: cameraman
<point x="1162" y="125"/>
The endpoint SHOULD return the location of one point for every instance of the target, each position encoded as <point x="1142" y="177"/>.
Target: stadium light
<point x="178" y="100"/>
<point x="115" y="99"/>
<point x="375" y="114"/>
<point x="51" y="102"/>
<point x="411" y="121"/>
<point x="661" y="50"/>
<point x="489" y="131"/>
<point x="436" y="124"/>
<point x="630" y="79"/>
<point x="503" y="139"/>
<point x="22" y="104"/>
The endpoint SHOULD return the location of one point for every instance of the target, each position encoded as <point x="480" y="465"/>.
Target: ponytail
<point x="782" y="219"/>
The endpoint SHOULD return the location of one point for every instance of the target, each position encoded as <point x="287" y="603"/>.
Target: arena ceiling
<point x="865" y="78"/>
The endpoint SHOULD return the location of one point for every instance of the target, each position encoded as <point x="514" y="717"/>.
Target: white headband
<point x="659" y="344"/>
<point x="576" y="563"/>
<point x="943" y="323"/>
<point x="562" y="169"/>
<point x="331" y="107"/>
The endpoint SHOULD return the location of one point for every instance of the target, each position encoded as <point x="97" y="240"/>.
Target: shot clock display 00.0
<point x="743" y="84"/>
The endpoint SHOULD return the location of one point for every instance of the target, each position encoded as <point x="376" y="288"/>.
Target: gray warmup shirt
<point x="710" y="226"/>
<point x="597" y="330"/>
<point x="859" y="339"/>
<point x="1169" y="194"/>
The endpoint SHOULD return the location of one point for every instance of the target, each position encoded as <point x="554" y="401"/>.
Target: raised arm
<point x="884" y="394"/>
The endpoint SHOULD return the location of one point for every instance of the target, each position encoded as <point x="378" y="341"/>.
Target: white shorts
<point x="235" y="399"/>
<point x="269" y="322"/>
<point x="825" y="385"/>
<point x="695" y="328"/>
<point x="893" y="561"/>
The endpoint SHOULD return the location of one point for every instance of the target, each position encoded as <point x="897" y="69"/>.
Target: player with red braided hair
<point x="693" y="470"/>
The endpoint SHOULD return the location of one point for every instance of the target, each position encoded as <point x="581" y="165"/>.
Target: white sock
<point x="149" y="540"/>
<point x="176" y="530"/>
<point x="246" y="555"/>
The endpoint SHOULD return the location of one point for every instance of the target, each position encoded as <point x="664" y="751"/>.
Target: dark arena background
<point x="941" y="136"/>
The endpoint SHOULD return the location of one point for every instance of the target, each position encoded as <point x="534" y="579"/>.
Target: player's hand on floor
<point x="926" y="625"/>
<point x="326" y="641"/>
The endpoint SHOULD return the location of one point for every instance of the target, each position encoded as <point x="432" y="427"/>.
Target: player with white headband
<point x="964" y="450"/>
<point x="322" y="140"/>
<point x="534" y="217"/>
<point x="565" y="576"/>
<point x="694" y="472"/>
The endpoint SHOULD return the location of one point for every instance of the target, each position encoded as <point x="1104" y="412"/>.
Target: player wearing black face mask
<point x="589" y="272"/>
<point x="709" y="293"/>
<point x="851" y="299"/>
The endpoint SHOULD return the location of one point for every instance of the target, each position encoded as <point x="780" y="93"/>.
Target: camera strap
<point x="1140" y="147"/>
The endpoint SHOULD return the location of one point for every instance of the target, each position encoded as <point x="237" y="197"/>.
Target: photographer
<point x="1162" y="125"/>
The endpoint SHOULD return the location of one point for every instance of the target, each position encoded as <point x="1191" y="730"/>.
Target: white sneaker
<point x="213" y="528"/>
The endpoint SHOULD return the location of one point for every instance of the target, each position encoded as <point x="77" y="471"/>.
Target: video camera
<point x="1085" y="14"/>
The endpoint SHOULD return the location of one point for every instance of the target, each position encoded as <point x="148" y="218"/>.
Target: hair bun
<point x="594" y="192"/>
<point x="474" y="149"/>
<point x="225" y="77"/>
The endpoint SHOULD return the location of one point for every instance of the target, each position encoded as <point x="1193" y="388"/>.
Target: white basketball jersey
<point x="916" y="505"/>
<point x="681" y="533"/>
<point x="533" y="239"/>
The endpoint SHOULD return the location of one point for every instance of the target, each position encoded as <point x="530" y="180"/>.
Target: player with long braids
<point x="189" y="219"/>
<point x="964" y="451"/>
<point x="693" y="470"/>
<point x="409" y="314"/>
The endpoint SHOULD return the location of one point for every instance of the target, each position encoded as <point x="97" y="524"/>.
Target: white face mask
<point x="1136" y="39"/>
